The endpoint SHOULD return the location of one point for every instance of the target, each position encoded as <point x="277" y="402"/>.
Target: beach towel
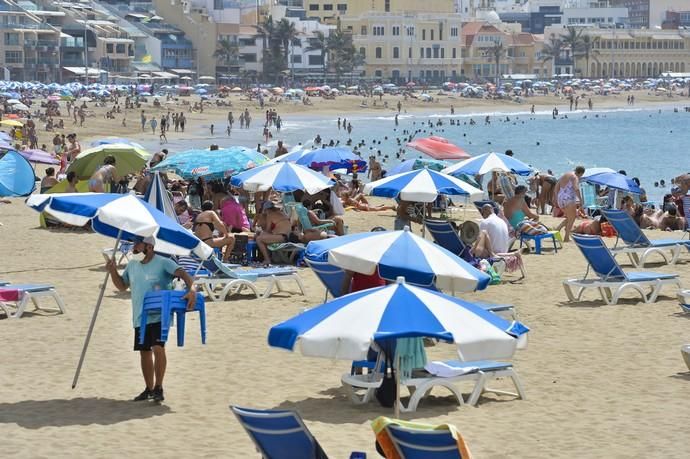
<point x="411" y="355"/>
<point x="444" y="370"/>
<point x="379" y="425"/>
<point x="9" y="294"/>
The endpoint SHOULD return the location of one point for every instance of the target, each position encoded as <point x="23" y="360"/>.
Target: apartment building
<point x="327" y="11"/>
<point x="30" y="48"/>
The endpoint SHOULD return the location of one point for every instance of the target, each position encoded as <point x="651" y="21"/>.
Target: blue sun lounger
<point x="423" y="443"/>
<point x="279" y="434"/>
<point x="637" y="246"/>
<point x="611" y="281"/>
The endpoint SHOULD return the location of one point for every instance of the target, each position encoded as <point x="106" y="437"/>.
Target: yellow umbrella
<point x="12" y="123"/>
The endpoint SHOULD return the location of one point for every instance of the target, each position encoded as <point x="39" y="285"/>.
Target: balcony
<point x="25" y="26"/>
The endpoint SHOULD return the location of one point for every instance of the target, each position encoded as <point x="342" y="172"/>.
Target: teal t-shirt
<point x="141" y="278"/>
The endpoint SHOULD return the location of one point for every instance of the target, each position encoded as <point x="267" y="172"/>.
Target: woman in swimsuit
<point x="359" y="202"/>
<point x="203" y="227"/>
<point x="278" y="229"/>
<point x="521" y="218"/>
<point x="567" y="197"/>
<point x="104" y="174"/>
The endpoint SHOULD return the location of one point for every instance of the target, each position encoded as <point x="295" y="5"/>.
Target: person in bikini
<point x="203" y="227"/>
<point x="360" y="203"/>
<point x="567" y="198"/>
<point x="106" y="174"/>
<point x="277" y="228"/>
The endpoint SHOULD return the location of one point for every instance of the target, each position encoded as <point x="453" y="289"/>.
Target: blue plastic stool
<point x="537" y="238"/>
<point x="251" y="250"/>
<point x="167" y="303"/>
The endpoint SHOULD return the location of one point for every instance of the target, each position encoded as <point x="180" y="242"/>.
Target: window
<point x="379" y="52"/>
<point x="378" y="73"/>
<point x="435" y="53"/>
<point x="363" y="52"/>
<point x="248" y="57"/>
<point x="428" y="53"/>
<point x="421" y="52"/>
<point x="453" y="31"/>
<point x="443" y="53"/>
<point x="120" y="48"/>
<point x="409" y="53"/>
<point x="109" y="48"/>
<point x="396" y="30"/>
<point x="12" y="39"/>
<point x="387" y="6"/>
<point x="432" y="33"/>
<point x="342" y="7"/>
<point x="410" y="31"/>
<point x="363" y="30"/>
<point x="313" y="7"/>
<point x="396" y="52"/>
<point x="13" y="57"/>
<point x="296" y="58"/>
<point x="315" y="60"/>
<point x="454" y="53"/>
<point x="328" y="7"/>
<point x="378" y="31"/>
<point x="423" y="34"/>
<point x="217" y="4"/>
<point x="296" y="42"/>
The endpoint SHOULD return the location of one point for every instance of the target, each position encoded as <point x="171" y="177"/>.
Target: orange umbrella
<point x="439" y="148"/>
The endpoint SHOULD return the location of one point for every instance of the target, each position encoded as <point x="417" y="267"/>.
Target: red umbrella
<point x="439" y="148"/>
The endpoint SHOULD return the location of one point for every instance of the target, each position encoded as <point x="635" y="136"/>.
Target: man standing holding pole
<point x="148" y="272"/>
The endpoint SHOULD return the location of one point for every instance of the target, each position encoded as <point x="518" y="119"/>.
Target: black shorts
<point x="152" y="337"/>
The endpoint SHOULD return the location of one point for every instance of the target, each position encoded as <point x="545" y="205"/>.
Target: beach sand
<point x="601" y="381"/>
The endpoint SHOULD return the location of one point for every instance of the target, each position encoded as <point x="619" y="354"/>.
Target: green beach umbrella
<point x="128" y="159"/>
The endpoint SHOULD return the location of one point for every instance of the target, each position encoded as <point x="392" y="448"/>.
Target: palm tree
<point x="319" y="43"/>
<point x="551" y="50"/>
<point x="572" y="39"/>
<point x="286" y="32"/>
<point x="587" y="50"/>
<point x="496" y="51"/>
<point x="226" y="51"/>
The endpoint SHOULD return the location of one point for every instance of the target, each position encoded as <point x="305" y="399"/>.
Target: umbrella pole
<point x="95" y="315"/>
<point x="397" y="390"/>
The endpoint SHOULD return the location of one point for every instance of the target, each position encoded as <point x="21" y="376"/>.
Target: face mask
<point x="138" y="256"/>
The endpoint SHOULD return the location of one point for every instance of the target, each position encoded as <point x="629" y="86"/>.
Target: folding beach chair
<point x="409" y="440"/>
<point x="591" y="203"/>
<point x="611" y="281"/>
<point x="303" y="217"/>
<point x="445" y="235"/>
<point x="637" y="246"/>
<point x="17" y="296"/>
<point x="420" y="384"/>
<point x="279" y="434"/>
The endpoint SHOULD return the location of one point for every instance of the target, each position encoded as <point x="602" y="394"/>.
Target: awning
<point x="183" y="71"/>
<point x="116" y="40"/>
<point x="80" y="71"/>
<point x="166" y="75"/>
<point x="520" y="76"/>
<point x="667" y="37"/>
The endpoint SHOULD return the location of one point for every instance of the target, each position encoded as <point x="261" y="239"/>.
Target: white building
<point x="592" y="13"/>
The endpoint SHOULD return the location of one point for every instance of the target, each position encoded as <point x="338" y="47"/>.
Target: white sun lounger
<point x="363" y="387"/>
<point x="30" y="293"/>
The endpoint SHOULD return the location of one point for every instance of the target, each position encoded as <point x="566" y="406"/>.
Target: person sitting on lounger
<point x="493" y="234"/>
<point x="208" y="221"/>
<point x="521" y="218"/>
<point x="276" y="228"/>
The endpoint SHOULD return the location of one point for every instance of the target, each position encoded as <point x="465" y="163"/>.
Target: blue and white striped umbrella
<point x="111" y="213"/>
<point x="157" y="195"/>
<point x="489" y="162"/>
<point x="292" y="156"/>
<point x="419" y="163"/>
<point x="400" y="253"/>
<point x="345" y="327"/>
<point x="423" y="185"/>
<point x="283" y="177"/>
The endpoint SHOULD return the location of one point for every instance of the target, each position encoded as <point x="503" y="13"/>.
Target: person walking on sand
<point x="154" y="125"/>
<point x="149" y="272"/>
<point x="567" y="197"/>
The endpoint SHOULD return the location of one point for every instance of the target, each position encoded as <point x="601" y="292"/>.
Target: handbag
<point x="387" y="392"/>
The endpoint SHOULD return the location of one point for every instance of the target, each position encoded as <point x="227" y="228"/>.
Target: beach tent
<point x="16" y="175"/>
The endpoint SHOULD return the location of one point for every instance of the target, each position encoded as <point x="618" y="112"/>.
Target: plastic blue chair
<point x="637" y="245"/>
<point x="423" y="444"/>
<point x="445" y="235"/>
<point x="537" y="238"/>
<point x="167" y="303"/>
<point x="279" y="434"/>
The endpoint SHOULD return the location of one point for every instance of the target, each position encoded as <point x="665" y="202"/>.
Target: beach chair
<point x="124" y="249"/>
<point x="555" y="236"/>
<point x="17" y="297"/>
<point x="637" y="246"/>
<point x="409" y="440"/>
<point x="445" y="235"/>
<point x="363" y="387"/>
<point x="611" y="281"/>
<point x="303" y="217"/>
<point x="684" y="300"/>
<point x="591" y="203"/>
<point x="332" y="277"/>
<point x="235" y="278"/>
<point x="279" y="434"/>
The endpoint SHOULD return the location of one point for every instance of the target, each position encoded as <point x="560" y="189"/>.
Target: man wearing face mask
<point x="147" y="272"/>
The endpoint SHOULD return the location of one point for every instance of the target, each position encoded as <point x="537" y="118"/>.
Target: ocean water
<point x="652" y="144"/>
